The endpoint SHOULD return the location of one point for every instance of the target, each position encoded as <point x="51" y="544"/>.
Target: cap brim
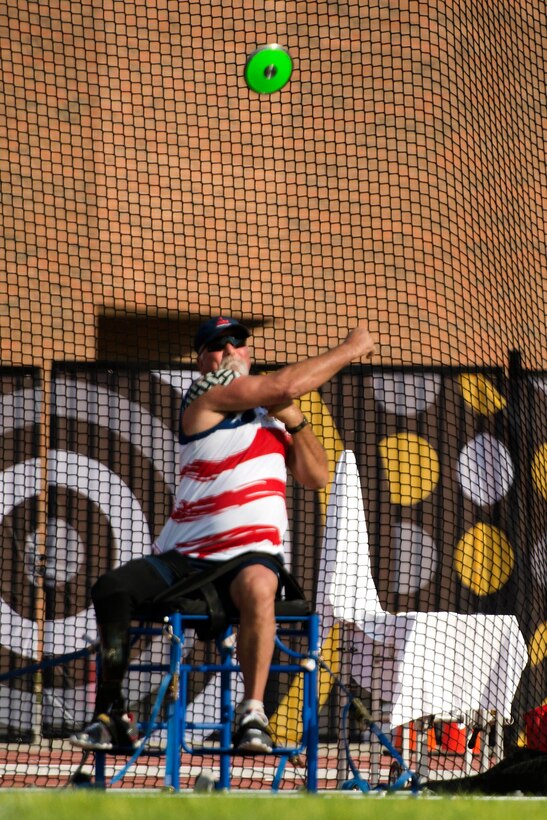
<point x="239" y="331"/>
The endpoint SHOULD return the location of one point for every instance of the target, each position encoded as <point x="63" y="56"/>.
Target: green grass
<point x="89" y="805"/>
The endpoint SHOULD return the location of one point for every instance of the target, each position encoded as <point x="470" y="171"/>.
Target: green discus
<point x="268" y="69"/>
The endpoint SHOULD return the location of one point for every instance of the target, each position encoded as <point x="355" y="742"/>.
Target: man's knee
<point x="254" y="588"/>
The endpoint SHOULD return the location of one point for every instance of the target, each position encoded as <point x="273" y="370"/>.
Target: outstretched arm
<point x="280" y="387"/>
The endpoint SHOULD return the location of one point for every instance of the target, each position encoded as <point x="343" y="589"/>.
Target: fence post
<point x="40" y="554"/>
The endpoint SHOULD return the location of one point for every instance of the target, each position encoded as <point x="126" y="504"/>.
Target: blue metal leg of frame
<point x="172" y="753"/>
<point x="312" y="718"/>
<point x="226" y="712"/>
<point x="100" y="766"/>
<point x="174" y="689"/>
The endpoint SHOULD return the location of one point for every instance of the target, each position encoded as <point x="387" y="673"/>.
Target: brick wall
<point x="399" y="176"/>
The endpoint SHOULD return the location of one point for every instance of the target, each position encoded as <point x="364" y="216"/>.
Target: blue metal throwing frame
<point x="173" y="692"/>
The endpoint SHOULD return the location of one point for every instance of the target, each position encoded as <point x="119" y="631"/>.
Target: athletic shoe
<point x="253" y="734"/>
<point x="107" y="732"/>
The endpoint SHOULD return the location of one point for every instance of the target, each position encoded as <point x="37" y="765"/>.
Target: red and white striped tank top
<point x="231" y="495"/>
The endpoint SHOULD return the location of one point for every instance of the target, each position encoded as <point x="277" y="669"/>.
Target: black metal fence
<point x="453" y="468"/>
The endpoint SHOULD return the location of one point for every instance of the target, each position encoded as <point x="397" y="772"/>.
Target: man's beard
<point x="237" y="365"/>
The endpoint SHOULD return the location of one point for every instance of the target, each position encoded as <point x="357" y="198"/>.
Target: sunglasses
<point x="222" y="341"/>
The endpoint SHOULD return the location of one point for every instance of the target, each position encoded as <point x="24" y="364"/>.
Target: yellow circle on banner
<point x="537" y="648"/>
<point x="412" y="467"/>
<point x="539" y="470"/>
<point x="484" y="559"/>
<point x="480" y="394"/>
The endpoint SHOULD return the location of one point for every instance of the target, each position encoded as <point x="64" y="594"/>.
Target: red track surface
<point x="53" y="765"/>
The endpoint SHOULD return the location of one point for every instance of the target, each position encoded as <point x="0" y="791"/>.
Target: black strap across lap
<point x="198" y="594"/>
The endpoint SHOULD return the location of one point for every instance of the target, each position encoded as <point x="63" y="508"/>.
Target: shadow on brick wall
<point x="144" y="337"/>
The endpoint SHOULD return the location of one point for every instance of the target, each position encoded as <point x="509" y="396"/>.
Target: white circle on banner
<point x="541" y="383"/>
<point x="130" y="531"/>
<point x="62" y="565"/>
<point x="538" y="561"/>
<point x="406" y="394"/>
<point x="485" y="470"/>
<point x="416" y="557"/>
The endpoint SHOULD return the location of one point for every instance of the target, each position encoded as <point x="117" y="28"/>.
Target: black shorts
<point x="119" y="593"/>
<point x="170" y="566"/>
<point x="172" y="569"/>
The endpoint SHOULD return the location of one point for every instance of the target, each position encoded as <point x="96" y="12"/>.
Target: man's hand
<point x="288" y="413"/>
<point x="361" y="341"/>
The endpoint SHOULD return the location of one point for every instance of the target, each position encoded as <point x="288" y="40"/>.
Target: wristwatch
<point x="293" y="430"/>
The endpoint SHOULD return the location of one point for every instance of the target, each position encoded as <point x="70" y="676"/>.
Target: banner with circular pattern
<point x="453" y="466"/>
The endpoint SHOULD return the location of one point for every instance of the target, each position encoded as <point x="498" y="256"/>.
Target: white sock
<point x="252" y="705"/>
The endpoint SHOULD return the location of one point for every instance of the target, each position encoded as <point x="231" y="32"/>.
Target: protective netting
<point x="399" y="177"/>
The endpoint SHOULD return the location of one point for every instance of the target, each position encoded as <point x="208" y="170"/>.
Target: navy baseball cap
<point x="219" y="326"/>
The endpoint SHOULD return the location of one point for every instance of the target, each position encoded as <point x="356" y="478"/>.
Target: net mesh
<point x="399" y="177"/>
